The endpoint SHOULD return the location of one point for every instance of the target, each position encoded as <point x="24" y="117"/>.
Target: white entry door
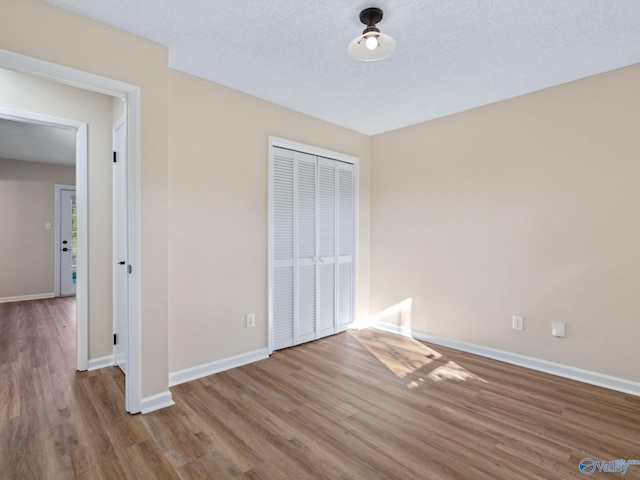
<point x="120" y="250"/>
<point x="68" y="242"/>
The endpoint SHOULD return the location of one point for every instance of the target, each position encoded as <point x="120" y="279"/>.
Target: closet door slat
<point x="327" y="246"/>
<point x="283" y="249"/>
<point x="345" y="220"/>
<point x="306" y="245"/>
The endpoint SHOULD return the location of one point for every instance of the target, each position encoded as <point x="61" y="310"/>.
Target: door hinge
<point x="114" y="157"/>
<point x="115" y="338"/>
<point x="130" y="269"/>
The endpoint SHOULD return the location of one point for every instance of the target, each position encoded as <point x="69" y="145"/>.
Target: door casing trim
<point x="131" y="94"/>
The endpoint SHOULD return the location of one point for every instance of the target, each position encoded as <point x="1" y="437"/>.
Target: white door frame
<point x="131" y="94"/>
<point x="56" y="232"/>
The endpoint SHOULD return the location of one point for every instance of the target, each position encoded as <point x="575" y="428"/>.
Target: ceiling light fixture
<point x="371" y="45"/>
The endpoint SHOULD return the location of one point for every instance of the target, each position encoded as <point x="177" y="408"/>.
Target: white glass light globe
<point x="383" y="47"/>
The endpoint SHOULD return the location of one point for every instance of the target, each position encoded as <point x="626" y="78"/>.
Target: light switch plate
<point x="558" y="329"/>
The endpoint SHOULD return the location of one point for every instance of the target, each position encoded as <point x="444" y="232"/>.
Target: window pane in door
<point x="74" y="240"/>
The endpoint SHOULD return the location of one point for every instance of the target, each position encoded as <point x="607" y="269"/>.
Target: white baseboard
<point x="24" y="298"/>
<point x="566" y="371"/>
<point x="199" y="371"/>
<point x="387" y="327"/>
<point x="102" y="362"/>
<point x="361" y="324"/>
<point x="156" y="402"/>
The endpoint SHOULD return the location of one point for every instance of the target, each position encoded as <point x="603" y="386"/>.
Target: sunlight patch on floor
<point x="452" y="371"/>
<point x="402" y="354"/>
<point x="408" y="358"/>
<point x="399" y="354"/>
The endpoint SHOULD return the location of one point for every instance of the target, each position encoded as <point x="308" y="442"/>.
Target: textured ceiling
<point x="450" y="56"/>
<point x="37" y="143"/>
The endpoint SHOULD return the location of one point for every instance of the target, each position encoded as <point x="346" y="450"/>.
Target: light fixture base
<point x="371" y="16"/>
<point x="364" y="50"/>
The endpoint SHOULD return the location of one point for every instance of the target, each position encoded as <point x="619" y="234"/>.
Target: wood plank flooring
<point x="359" y="405"/>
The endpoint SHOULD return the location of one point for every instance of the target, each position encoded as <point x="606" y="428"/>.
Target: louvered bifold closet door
<point x="345" y="244"/>
<point x="283" y="231"/>
<point x="327" y="188"/>
<point x="306" y="246"/>
<point x="312" y="247"/>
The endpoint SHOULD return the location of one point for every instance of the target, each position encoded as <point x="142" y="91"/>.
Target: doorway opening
<point x="131" y="95"/>
<point x="81" y="220"/>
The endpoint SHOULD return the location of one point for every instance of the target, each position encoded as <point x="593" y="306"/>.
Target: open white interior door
<point x="120" y="252"/>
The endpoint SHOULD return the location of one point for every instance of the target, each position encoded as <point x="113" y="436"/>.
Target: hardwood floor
<point x="359" y="405"/>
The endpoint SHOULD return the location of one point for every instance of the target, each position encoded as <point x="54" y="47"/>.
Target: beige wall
<point x="218" y="214"/>
<point x="36" y="29"/>
<point x="27" y="203"/>
<point x="26" y="92"/>
<point x="528" y="206"/>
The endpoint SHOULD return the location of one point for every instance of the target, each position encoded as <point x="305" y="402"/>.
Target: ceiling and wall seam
<point x="450" y="57"/>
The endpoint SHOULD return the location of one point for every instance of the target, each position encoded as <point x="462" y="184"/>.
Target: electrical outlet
<point x="518" y="322"/>
<point x="250" y="320"/>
